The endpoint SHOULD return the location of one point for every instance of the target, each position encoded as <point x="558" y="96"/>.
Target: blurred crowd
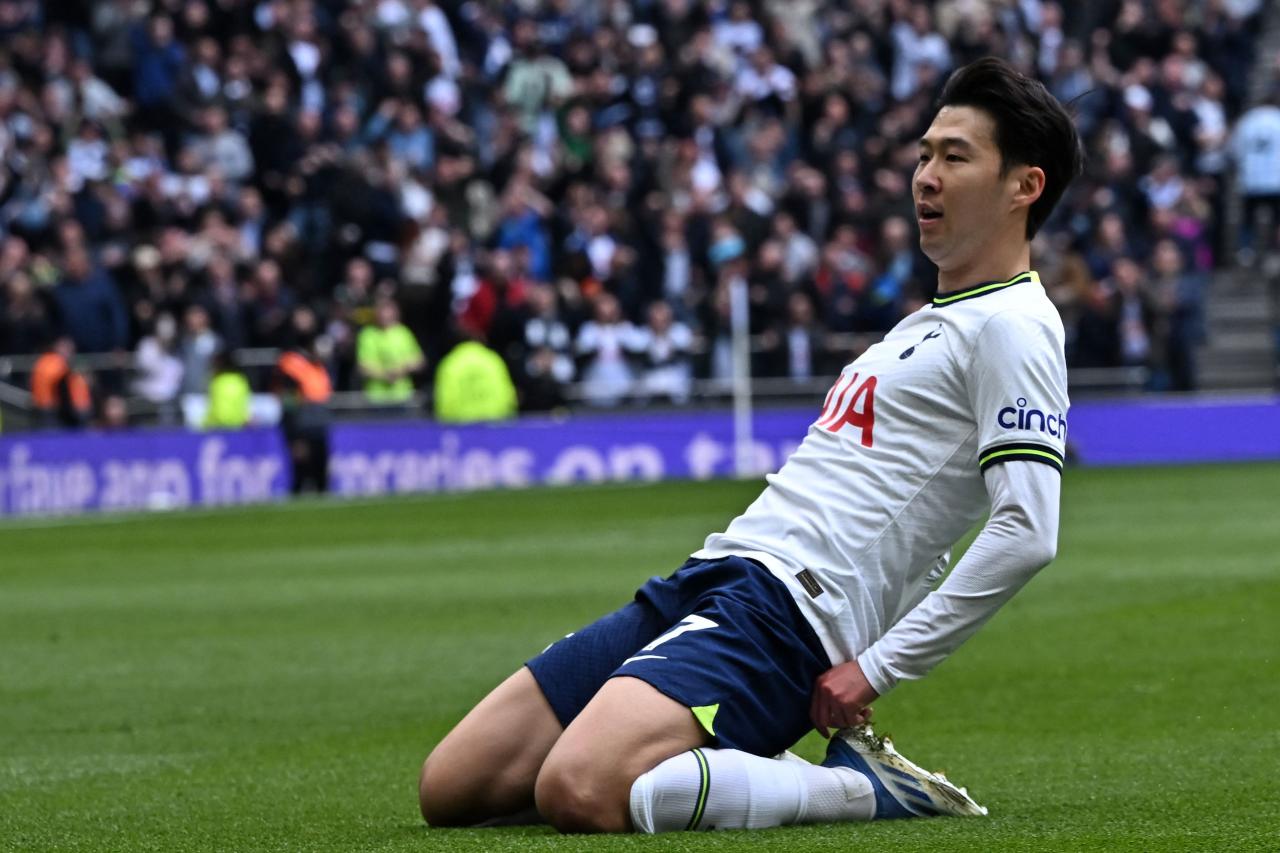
<point x="575" y="185"/>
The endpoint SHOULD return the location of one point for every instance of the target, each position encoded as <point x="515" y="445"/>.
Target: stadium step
<point x="1243" y="310"/>
<point x="1218" y="379"/>
<point x="1234" y="366"/>
<point x="1239" y="352"/>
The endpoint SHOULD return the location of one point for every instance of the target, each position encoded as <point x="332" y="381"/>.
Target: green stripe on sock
<point x="704" y="786"/>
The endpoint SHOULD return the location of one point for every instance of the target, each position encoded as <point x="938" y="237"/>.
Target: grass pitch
<point x="270" y="679"/>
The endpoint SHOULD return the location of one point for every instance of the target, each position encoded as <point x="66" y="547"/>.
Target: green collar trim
<point x="984" y="288"/>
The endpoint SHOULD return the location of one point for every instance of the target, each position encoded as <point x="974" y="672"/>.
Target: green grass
<point x="270" y="679"/>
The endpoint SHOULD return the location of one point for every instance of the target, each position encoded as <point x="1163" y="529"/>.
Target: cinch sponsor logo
<point x="1023" y="418"/>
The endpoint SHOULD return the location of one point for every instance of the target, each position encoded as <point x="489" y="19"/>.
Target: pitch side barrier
<point x="70" y="473"/>
<point x="390" y="458"/>
<point x="52" y="473"/>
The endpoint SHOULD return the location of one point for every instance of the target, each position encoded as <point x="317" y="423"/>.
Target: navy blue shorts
<point x="723" y="637"/>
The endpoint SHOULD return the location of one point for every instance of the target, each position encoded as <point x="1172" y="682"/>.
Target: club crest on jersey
<point x="1021" y="417"/>
<point x="909" y="351"/>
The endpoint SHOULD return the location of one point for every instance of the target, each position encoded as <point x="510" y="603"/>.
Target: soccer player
<point x="823" y="595"/>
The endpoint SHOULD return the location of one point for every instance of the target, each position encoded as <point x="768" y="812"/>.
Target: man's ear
<point x="1030" y="185"/>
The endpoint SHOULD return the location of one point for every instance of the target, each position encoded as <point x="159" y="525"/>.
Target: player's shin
<point x="729" y="789"/>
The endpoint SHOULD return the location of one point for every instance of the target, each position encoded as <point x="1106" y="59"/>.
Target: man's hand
<point x="841" y="697"/>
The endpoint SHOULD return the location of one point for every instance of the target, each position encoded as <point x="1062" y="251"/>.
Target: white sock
<point x="729" y="789"/>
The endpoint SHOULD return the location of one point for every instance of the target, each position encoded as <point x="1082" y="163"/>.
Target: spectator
<point x="408" y="138"/>
<point x="536" y="81"/>
<point x="524" y="211"/>
<point x="1255" y="144"/>
<point x="1096" y="333"/>
<point x="899" y="277"/>
<point x="473" y="385"/>
<point x="252" y="223"/>
<point x="1147" y="133"/>
<point x="1068" y="284"/>
<point x="24" y="320"/>
<point x="87" y="154"/>
<point x="435" y="23"/>
<point x="739" y="31"/>
<point x="388" y="356"/>
<point x="762" y="79"/>
<point x="228" y="396"/>
<point x="726" y="254"/>
<point x="1138" y="322"/>
<point x="202" y="80"/>
<point x="1070" y="78"/>
<point x="1211" y="125"/>
<point x="799" y="252"/>
<point x="916" y="44"/>
<point x="547" y="348"/>
<point x="841" y="280"/>
<point x="148" y="294"/>
<point x="1164" y="186"/>
<point x="493" y="306"/>
<point x="223" y="303"/>
<point x="90" y="307"/>
<point x="795" y="348"/>
<point x="423" y="259"/>
<point x="269" y="306"/>
<point x="1180" y="294"/>
<point x="677" y="263"/>
<point x="157" y="66"/>
<point x="113" y="414"/>
<point x="594" y="241"/>
<point x="542" y="386"/>
<point x="198" y="347"/>
<point x="350" y="311"/>
<point x="59" y="392"/>
<point x="112" y="24"/>
<point x="222" y="148"/>
<point x="303" y="384"/>
<point x="15" y="256"/>
<point x="665" y="348"/>
<point x="160" y="368"/>
<point x="605" y="346"/>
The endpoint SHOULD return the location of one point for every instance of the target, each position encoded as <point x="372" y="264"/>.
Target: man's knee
<point x="627" y="729"/>
<point x="453" y="791"/>
<point x="485" y="768"/>
<point x="442" y="793"/>
<point x="575" y="798"/>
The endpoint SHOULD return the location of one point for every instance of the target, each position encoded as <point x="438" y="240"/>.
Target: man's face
<point x="387" y="314"/>
<point x="962" y="200"/>
<point x="77" y="265"/>
<point x="161" y="29"/>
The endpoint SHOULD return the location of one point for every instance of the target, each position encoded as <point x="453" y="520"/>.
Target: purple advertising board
<point x="51" y="474"/>
<point x="376" y="459"/>
<point x="68" y="473"/>
<point x="1176" y="430"/>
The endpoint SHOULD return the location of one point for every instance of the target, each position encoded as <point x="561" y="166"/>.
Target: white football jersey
<point x="860" y="521"/>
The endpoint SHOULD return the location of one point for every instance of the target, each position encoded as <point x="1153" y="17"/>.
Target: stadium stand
<point x="576" y="184"/>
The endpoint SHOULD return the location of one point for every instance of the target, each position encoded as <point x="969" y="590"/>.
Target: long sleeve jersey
<point x="912" y="448"/>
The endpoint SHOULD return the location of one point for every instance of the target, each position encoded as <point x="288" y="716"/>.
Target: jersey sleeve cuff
<point x="1020" y="452"/>
<point x="873" y="670"/>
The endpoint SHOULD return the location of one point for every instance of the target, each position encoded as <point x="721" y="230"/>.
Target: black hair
<point x="1032" y="127"/>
